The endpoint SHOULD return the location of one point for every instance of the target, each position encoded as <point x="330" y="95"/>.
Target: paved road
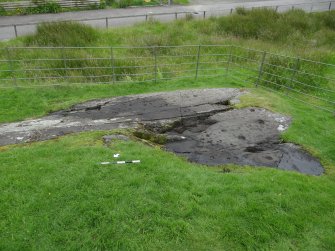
<point x="213" y="7"/>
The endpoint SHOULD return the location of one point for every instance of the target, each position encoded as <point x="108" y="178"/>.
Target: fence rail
<point x="9" y="6"/>
<point x="304" y="80"/>
<point x="15" y="30"/>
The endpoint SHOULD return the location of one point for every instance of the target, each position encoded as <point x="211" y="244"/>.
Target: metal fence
<point x="15" y="30"/>
<point x="304" y="80"/>
<point x="23" y="4"/>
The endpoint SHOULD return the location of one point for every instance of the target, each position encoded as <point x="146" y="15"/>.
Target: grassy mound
<point x="63" y="34"/>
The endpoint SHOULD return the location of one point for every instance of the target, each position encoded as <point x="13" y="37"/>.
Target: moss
<point x="152" y="137"/>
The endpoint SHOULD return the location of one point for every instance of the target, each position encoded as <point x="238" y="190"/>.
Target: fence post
<point x="277" y="8"/>
<point x="198" y="61"/>
<point x="176" y="15"/>
<point x="106" y="22"/>
<point x="15" y="30"/>
<point x="64" y="61"/>
<point x="156" y="67"/>
<point x="113" y="65"/>
<point x="231" y="11"/>
<point x="204" y="14"/>
<point x="294" y="70"/>
<point x="261" y="69"/>
<point x="229" y="58"/>
<point x="330" y="6"/>
<point x="11" y="67"/>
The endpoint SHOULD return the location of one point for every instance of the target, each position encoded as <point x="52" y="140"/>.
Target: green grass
<point x="54" y="195"/>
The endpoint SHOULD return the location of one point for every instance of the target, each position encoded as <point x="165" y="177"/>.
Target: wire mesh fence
<point x="305" y="80"/>
<point x="15" y="30"/>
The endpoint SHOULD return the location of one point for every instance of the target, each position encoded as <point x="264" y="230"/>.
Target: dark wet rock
<point x="249" y="136"/>
<point x="295" y="158"/>
<point x="174" y="138"/>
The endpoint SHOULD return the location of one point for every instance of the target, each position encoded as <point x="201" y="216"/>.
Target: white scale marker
<point x="121" y="162"/>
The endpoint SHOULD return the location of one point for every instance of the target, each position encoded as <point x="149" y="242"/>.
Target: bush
<point x="123" y="3"/>
<point x="3" y="12"/>
<point x="47" y="7"/>
<point x="63" y="34"/>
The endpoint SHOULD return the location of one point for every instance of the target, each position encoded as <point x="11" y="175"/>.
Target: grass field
<point x="54" y="195"/>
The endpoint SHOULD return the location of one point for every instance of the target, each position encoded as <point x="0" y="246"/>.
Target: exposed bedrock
<point x="200" y="124"/>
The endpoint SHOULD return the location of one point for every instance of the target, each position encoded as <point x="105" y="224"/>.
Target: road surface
<point x="27" y="24"/>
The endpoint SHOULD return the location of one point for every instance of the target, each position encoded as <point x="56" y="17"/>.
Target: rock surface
<point x="119" y="112"/>
<point x="249" y="136"/>
<point x="206" y="129"/>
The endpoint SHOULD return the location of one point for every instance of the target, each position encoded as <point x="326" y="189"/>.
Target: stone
<point x="109" y="138"/>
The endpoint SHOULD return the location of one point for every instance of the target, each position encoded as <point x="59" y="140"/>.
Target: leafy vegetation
<point x="55" y="195"/>
<point x="45" y="7"/>
<point x="52" y="7"/>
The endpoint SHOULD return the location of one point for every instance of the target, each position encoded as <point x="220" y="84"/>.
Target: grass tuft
<point x="62" y="34"/>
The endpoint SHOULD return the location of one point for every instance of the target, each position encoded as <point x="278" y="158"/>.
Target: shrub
<point x="47" y="7"/>
<point x="110" y="2"/>
<point x="3" y="12"/>
<point x="123" y="3"/>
